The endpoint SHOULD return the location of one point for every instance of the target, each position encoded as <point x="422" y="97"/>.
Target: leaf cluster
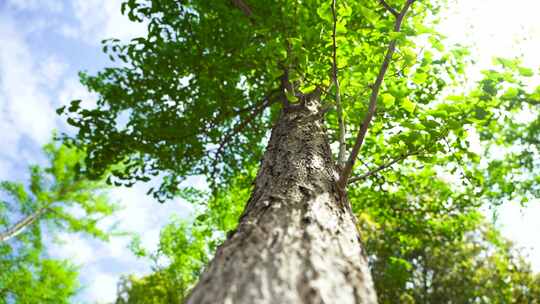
<point x="57" y="199"/>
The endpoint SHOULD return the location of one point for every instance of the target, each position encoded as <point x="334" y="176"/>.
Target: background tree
<point x="436" y="247"/>
<point x="213" y="81"/>
<point x="186" y="246"/>
<point x="430" y="245"/>
<point x="57" y="199"/>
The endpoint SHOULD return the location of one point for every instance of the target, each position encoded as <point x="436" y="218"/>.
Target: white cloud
<point x="32" y="86"/>
<point x="24" y="107"/>
<point x="144" y="215"/>
<point x="28" y="87"/>
<point x="6" y="168"/>
<point x="51" y="71"/>
<point x="73" y="247"/>
<point x="101" y="19"/>
<point x="102" y="287"/>
<point x="9" y="135"/>
<point x="73" y="89"/>
<point x="54" y="6"/>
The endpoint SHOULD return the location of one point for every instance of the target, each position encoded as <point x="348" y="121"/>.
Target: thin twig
<point x="364" y="164"/>
<point x="459" y="160"/>
<point x="267" y="101"/>
<point x="346" y="172"/>
<point x="243" y="124"/>
<point x="380" y="168"/>
<point x="339" y="108"/>
<point x="389" y="8"/>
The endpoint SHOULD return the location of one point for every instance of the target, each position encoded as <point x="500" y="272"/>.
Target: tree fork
<point x="297" y="240"/>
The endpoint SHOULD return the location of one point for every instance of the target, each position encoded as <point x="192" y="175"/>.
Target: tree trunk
<point x="297" y="241"/>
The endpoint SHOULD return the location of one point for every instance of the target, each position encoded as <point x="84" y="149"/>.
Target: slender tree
<point x="57" y="199"/>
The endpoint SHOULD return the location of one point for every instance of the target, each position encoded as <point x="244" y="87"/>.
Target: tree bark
<point x="297" y="240"/>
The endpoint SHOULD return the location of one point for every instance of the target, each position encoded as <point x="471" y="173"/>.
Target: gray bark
<point x="297" y="241"/>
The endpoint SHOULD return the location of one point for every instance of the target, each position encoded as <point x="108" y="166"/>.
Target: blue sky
<point x="44" y="43"/>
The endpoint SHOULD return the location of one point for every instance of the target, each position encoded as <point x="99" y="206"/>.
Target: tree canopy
<point x="200" y="93"/>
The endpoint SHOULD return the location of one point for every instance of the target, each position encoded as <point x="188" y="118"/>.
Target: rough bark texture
<point x="297" y="241"/>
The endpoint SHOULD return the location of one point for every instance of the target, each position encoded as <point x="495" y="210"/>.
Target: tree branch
<point x="339" y="108"/>
<point x="389" y="8"/>
<point x="288" y="89"/>
<point x="380" y="168"/>
<point x="346" y="172"/>
<point x="21" y="225"/>
<point x="241" y="5"/>
<point x="286" y="86"/>
<point x="267" y="101"/>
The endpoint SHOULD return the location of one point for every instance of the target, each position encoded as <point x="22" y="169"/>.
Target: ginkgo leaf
<point x="408" y="105"/>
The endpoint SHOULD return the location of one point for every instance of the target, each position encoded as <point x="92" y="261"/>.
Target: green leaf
<point x="526" y="72"/>
<point x="344" y="11"/>
<point x="324" y="11"/>
<point x="511" y="93"/>
<point x="399" y="36"/>
<point x="408" y="105"/>
<point x="420" y="78"/>
<point x="60" y="110"/>
<point x="388" y="100"/>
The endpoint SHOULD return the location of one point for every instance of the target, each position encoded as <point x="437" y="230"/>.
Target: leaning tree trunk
<point x="297" y="241"/>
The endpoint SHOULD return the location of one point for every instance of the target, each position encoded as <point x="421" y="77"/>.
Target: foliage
<point x="430" y="245"/>
<point x="185" y="247"/>
<point x="199" y="94"/>
<point x="154" y="288"/>
<point x="434" y="246"/>
<point x="58" y="199"/>
<point x="479" y="267"/>
<point x="29" y="278"/>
